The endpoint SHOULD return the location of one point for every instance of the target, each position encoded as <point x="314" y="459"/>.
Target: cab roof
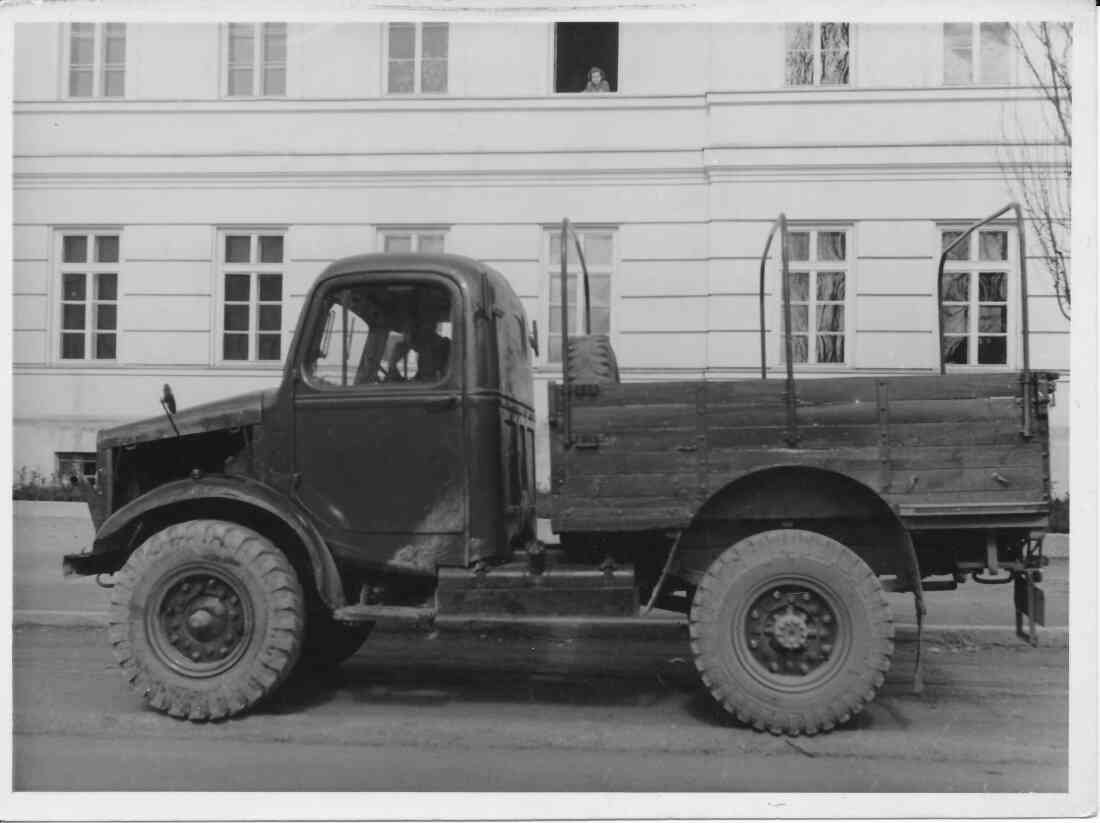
<point x="465" y="270"/>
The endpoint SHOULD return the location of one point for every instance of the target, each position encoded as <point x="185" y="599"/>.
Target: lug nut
<point x="776" y="594"/>
<point x="826" y="618"/>
<point x="195" y="654"/>
<point x="754" y="614"/>
<point x="774" y="667"/>
<point x="806" y="596"/>
<point x="753" y="644"/>
<point x="802" y="667"/>
<point x="827" y="648"/>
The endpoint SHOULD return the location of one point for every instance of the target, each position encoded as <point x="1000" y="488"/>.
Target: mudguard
<point x="106" y="549"/>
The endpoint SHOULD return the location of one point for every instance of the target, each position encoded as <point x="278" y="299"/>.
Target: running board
<point x="385" y="615"/>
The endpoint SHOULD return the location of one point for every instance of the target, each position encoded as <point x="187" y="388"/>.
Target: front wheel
<point x="207" y="619"/>
<point x="791" y="632"/>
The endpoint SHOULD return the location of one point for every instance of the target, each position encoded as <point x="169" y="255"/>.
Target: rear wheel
<point x="207" y="619"/>
<point x="791" y="632"/>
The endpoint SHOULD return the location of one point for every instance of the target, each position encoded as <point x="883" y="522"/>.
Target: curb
<point x="668" y="629"/>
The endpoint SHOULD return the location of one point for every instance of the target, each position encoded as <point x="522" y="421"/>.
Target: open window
<point x="582" y="48"/>
<point x="382" y="333"/>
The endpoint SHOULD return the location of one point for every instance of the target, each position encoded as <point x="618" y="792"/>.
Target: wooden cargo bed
<point x="648" y="455"/>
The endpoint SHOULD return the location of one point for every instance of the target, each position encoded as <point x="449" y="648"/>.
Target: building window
<point x="598" y="246"/>
<point x="990" y="63"/>
<point x="75" y="467"/>
<point x="818" y="54"/>
<point x="818" y="267"/>
<point x="256" y="60"/>
<point x="425" y="241"/>
<point x="579" y="48"/>
<point x="97" y="59"/>
<point x="975" y="298"/>
<point x="89" y="296"/>
<point x="416" y="58"/>
<point x="252" y="297"/>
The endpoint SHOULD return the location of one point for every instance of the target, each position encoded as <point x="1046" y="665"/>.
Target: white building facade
<point x="179" y="186"/>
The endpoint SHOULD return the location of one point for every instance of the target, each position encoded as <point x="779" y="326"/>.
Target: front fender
<point x="191" y="493"/>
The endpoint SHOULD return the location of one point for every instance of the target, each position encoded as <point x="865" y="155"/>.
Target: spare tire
<point x="592" y="360"/>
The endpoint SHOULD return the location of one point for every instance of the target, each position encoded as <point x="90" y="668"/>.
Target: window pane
<point x="798" y="245"/>
<point x="271" y="287"/>
<point x="961" y="251"/>
<point x="830" y="318"/>
<point x="105" y="347"/>
<point x="800" y="318"/>
<point x="600" y="289"/>
<point x="401" y="77"/>
<point x="237" y="288"/>
<point x="73" y="287"/>
<point x="240" y="82"/>
<point x="956" y="319"/>
<point x="72" y="346"/>
<point x="269" y="347"/>
<point x="72" y="316"/>
<point x="114" y="83"/>
<point x="555" y="248"/>
<point x="431" y="243"/>
<point x="275" y="80"/>
<point x="397" y="243"/>
<point x="800" y="348"/>
<point x="830" y="285"/>
<point x="236" y="318"/>
<point x="240" y="44"/>
<point x="993" y="245"/>
<point x="954" y="349"/>
<point x="235" y="347"/>
<point x="554" y="353"/>
<point x="597" y="249"/>
<point x="957" y="57"/>
<point x="434" y="42"/>
<point x="830" y="348"/>
<point x="271" y="250"/>
<point x="992" y="287"/>
<point x="571" y="289"/>
<point x="106" y="287"/>
<point x="114" y="43"/>
<point x="271" y="318"/>
<point x="831" y="245"/>
<point x="992" y="350"/>
<point x="402" y="41"/>
<point x="800" y="286"/>
<point x="800" y="36"/>
<point x="574" y="319"/>
<point x="601" y="320"/>
<point x="274" y="42"/>
<point x="80" y="83"/>
<point x="800" y="68"/>
<point x="106" y="248"/>
<point x="834" y="53"/>
<point x="433" y="76"/>
<point x="81" y="44"/>
<point x="993" y="319"/>
<point x="75" y="248"/>
<point x="996" y="53"/>
<point x="237" y="248"/>
<point x="106" y="317"/>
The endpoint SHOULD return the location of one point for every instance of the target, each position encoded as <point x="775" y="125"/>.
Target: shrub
<point x="33" y="485"/>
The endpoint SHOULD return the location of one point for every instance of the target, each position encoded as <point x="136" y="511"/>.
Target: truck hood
<point x="241" y="410"/>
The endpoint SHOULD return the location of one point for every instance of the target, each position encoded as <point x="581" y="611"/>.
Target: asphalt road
<point x="556" y="710"/>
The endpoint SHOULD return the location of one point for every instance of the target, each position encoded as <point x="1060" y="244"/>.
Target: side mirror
<point x="168" y="400"/>
<point x="533" y="338"/>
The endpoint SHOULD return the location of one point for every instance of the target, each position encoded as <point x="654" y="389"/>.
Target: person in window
<point x="433" y="350"/>
<point x="596" y="80"/>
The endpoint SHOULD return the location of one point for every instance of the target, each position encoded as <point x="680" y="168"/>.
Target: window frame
<point x="975" y="266"/>
<point x="259" y="61"/>
<point x="99" y="61"/>
<point x="75" y="456"/>
<point x="56" y="294"/>
<point x="552" y="68"/>
<point x="418" y="59"/>
<point x="254" y="270"/>
<point x="550" y="270"/>
<point x="416" y="232"/>
<point x="976" y="66"/>
<point x="817" y="84"/>
<point x="315" y="321"/>
<point x="814" y="266"/>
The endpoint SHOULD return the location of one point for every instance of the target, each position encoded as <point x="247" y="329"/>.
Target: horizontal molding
<point x="895" y="331"/>
<point x="166" y="294"/>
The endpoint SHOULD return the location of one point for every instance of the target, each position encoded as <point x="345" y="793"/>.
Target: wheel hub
<point x="790" y="630"/>
<point x="201" y="619"/>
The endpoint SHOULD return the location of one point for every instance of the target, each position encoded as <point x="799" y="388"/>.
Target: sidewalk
<point x="45" y="531"/>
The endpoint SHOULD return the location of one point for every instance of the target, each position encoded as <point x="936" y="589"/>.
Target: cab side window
<point x="382" y="333"/>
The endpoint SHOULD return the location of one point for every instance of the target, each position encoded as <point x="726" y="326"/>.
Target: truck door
<point x="378" y="413"/>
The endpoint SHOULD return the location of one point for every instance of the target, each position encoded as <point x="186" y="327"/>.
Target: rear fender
<point x="186" y="499"/>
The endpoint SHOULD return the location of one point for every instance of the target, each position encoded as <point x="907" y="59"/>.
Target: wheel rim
<point x="199" y="621"/>
<point x="793" y="634"/>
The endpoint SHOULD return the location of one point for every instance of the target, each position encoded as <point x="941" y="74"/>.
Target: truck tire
<point x="592" y="360"/>
<point x="207" y="619"/>
<point x="328" y="643"/>
<point x="791" y="632"/>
